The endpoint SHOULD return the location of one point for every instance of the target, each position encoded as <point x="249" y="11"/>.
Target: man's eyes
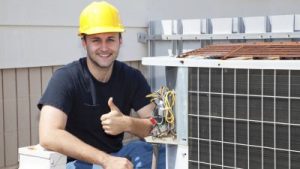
<point x="95" y="40"/>
<point x="111" y="40"/>
<point x="98" y="40"/>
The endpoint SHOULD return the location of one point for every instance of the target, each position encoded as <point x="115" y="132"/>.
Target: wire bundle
<point x="163" y="114"/>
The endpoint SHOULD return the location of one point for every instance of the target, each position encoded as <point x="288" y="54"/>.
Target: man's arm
<point x="142" y="126"/>
<point x="115" y="122"/>
<point x="53" y="136"/>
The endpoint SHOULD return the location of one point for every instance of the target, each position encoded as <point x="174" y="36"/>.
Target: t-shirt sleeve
<point x="58" y="92"/>
<point x="142" y="89"/>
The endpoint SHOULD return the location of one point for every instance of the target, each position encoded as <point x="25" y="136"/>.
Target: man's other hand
<point x="117" y="162"/>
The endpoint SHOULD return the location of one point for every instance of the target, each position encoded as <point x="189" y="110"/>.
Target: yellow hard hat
<point x="100" y="17"/>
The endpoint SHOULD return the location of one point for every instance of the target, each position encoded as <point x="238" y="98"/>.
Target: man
<point x="85" y="108"/>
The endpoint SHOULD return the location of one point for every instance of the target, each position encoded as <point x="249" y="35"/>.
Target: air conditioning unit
<point x="234" y="113"/>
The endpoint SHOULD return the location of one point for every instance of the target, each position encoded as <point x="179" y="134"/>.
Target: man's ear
<point x="121" y="41"/>
<point x="83" y="42"/>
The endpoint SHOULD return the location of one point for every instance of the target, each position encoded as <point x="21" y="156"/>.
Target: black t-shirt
<point x="76" y="92"/>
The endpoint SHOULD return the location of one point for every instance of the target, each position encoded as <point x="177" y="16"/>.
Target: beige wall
<point x="195" y="9"/>
<point x="44" y="33"/>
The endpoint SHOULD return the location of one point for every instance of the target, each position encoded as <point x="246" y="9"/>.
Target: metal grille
<point x="243" y="118"/>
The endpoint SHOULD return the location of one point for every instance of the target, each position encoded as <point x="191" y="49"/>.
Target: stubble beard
<point x="99" y="65"/>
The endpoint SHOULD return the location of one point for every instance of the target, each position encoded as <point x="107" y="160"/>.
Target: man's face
<point x="102" y="48"/>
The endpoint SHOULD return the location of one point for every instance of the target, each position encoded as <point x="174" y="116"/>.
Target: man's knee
<point x="141" y="152"/>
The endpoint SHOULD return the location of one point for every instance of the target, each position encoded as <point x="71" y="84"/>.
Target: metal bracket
<point x="142" y="37"/>
<point x="244" y="36"/>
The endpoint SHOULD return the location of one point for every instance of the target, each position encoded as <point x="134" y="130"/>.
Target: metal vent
<point x="243" y="118"/>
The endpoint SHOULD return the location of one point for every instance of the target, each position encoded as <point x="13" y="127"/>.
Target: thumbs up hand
<point x="113" y="122"/>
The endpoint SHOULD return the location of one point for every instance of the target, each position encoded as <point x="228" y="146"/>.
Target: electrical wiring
<point x="163" y="117"/>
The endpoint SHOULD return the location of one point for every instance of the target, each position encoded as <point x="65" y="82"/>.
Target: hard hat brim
<point x="100" y="30"/>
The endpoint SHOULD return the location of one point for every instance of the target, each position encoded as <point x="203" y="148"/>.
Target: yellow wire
<point x="168" y="98"/>
<point x="169" y="116"/>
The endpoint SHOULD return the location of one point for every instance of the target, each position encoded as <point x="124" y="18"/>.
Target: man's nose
<point x="104" y="46"/>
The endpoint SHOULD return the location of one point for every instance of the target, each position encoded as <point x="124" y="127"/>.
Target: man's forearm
<point x="137" y="126"/>
<point x="67" y="144"/>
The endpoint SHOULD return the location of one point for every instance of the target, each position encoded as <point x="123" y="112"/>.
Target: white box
<point x="221" y="25"/>
<point x="255" y="24"/>
<point x="297" y="22"/>
<point x="191" y="26"/>
<point x="36" y="157"/>
<point x="282" y="23"/>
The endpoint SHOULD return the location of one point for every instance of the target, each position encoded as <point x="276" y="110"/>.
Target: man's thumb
<point x="111" y="104"/>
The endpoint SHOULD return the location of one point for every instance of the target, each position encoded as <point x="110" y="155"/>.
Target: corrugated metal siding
<point x="20" y="89"/>
<point x="10" y="116"/>
<point x="2" y="160"/>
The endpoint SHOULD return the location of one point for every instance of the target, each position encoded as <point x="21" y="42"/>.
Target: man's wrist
<point x="127" y="123"/>
<point x="103" y="159"/>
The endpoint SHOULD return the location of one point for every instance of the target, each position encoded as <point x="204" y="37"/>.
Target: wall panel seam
<point x="17" y="109"/>
<point x="30" y="114"/>
<point x="2" y="97"/>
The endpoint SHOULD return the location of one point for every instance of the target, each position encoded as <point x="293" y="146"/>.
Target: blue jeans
<point x="140" y="153"/>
